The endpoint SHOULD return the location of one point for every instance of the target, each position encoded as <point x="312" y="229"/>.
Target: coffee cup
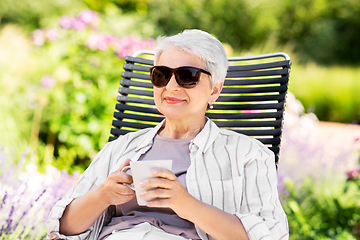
<point x="141" y="171"/>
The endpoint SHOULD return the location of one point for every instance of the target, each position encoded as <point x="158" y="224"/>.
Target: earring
<point x="211" y="106"/>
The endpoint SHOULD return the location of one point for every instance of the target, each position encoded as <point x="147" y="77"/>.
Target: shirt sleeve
<point x="95" y="174"/>
<point x="261" y="212"/>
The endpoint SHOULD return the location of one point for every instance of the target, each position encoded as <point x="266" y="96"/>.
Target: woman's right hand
<point x="113" y="190"/>
<point x="83" y="211"/>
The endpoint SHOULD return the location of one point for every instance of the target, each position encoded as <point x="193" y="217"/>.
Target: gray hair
<point x="200" y="44"/>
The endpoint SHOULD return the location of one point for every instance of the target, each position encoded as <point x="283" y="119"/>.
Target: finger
<point x="121" y="177"/>
<point x="156" y="183"/>
<point x="163" y="173"/>
<point x="158" y="203"/>
<point x="124" y="164"/>
<point x="155" y="194"/>
<point x="124" y="190"/>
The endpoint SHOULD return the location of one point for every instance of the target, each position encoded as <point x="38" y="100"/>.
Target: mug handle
<point x="125" y="169"/>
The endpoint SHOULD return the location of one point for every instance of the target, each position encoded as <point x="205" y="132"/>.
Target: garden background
<point x="60" y="65"/>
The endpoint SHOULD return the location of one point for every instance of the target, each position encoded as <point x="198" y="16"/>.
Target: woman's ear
<point x="216" y="90"/>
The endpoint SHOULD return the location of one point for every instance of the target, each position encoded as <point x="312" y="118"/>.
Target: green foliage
<point x="77" y="115"/>
<point x="331" y="93"/>
<point x="65" y="97"/>
<point x="77" y="111"/>
<point x="331" y="211"/>
<point x="327" y="31"/>
<point x="35" y="14"/>
<point x="139" y="6"/>
<point x="236" y="22"/>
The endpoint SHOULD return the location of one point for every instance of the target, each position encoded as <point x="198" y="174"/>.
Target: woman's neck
<point x="181" y="129"/>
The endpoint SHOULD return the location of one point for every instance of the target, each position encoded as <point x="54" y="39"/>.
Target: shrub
<point x="70" y="89"/>
<point x="318" y="185"/>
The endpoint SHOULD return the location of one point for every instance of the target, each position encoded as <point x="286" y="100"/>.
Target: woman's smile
<point x="173" y="100"/>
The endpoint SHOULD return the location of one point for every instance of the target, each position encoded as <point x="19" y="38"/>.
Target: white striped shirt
<point x="230" y="171"/>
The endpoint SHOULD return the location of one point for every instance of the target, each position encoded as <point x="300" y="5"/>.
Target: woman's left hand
<point x="166" y="190"/>
<point x="169" y="192"/>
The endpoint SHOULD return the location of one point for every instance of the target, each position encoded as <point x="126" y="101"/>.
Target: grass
<point x="331" y="92"/>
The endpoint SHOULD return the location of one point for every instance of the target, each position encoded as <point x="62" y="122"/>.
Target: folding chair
<point x="252" y="101"/>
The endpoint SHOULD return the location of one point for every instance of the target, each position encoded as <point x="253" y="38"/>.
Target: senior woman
<point x="222" y="184"/>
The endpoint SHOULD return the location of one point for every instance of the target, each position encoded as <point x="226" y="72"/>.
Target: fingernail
<point x="142" y="184"/>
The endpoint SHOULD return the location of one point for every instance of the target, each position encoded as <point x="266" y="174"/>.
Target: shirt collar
<point x="203" y="140"/>
<point x="206" y="136"/>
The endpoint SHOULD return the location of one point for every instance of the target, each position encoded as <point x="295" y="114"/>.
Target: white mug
<point x="141" y="171"/>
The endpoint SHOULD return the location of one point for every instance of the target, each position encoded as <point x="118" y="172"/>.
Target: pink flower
<point x="125" y="41"/>
<point x="97" y="42"/>
<point x="66" y="21"/>
<point x="128" y="45"/>
<point x="47" y="81"/>
<point x="92" y="41"/>
<point x="51" y="34"/>
<point x="109" y="39"/>
<point x="353" y="174"/>
<point x="78" y="25"/>
<point x="38" y="37"/>
<point x="88" y="16"/>
<point x="149" y="44"/>
<point x="122" y="53"/>
<point x="102" y="44"/>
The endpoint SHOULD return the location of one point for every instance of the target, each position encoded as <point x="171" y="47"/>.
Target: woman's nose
<point x="172" y="84"/>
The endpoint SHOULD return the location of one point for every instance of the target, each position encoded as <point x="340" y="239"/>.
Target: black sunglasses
<point x="186" y="77"/>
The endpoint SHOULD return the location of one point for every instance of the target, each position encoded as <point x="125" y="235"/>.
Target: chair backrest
<point x="252" y="101"/>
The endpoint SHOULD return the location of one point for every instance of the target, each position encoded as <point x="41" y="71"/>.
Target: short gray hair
<point x="200" y="44"/>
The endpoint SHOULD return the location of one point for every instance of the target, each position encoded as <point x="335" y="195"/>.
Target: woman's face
<point x="177" y="103"/>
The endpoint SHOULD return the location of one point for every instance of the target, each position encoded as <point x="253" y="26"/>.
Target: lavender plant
<point x="26" y="196"/>
<point x="310" y="152"/>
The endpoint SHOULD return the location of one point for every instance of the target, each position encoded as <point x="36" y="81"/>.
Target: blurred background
<point x="60" y="65"/>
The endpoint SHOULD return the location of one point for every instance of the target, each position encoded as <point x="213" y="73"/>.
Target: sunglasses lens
<point x="160" y="76"/>
<point x="187" y="77"/>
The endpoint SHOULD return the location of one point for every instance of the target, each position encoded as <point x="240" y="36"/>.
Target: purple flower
<point x="3" y="200"/>
<point x="24" y="209"/>
<point x="66" y="21"/>
<point x="47" y="81"/>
